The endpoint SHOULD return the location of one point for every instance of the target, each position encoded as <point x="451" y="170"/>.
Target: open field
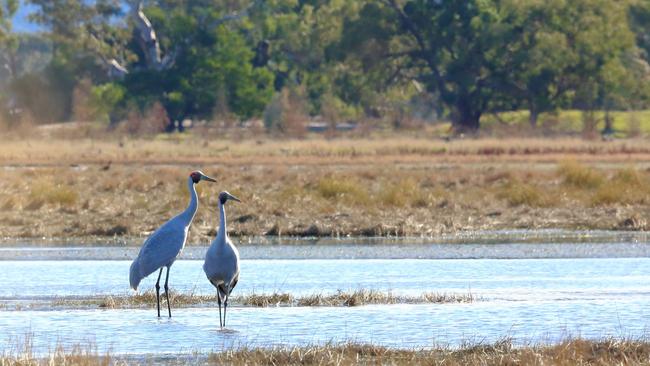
<point x="570" y="352"/>
<point x="402" y="186"/>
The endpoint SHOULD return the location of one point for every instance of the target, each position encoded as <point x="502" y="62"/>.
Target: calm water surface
<point x="529" y="300"/>
<point x="516" y="279"/>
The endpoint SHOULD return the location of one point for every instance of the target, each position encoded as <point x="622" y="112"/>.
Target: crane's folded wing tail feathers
<point x="159" y="250"/>
<point x="134" y="274"/>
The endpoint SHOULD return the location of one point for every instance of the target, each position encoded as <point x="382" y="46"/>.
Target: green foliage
<point x="7" y="10"/>
<point x="482" y="56"/>
<point x="105" y="99"/>
<point x="466" y="59"/>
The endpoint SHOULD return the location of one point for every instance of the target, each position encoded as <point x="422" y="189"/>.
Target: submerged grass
<point x="340" y="298"/>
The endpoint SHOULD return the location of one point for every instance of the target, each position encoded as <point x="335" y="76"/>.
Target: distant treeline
<point x="345" y="60"/>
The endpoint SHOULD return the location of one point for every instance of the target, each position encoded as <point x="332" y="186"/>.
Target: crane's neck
<point x="189" y="212"/>
<point x="222" y="234"/>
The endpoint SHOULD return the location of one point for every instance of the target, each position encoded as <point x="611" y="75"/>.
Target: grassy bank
<point x="389" y="187"/>
<point x="569" y="352"/>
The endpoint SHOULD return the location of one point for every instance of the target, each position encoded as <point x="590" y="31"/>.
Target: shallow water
<point x="494" y="279"/>
<point x="530" y="300"/>
<point x="196" y="329"/>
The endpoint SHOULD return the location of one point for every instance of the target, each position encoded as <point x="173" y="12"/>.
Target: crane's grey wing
<point x="160" y="249"/>
<point x="234" y="282"/>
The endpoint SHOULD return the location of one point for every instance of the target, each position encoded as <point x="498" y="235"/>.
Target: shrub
<point x="53" y="194"/>
<point x="579" y="176"/>
<point x="403" y="193"/>
<point x="342" y="188"/>
<point x="518" y="194"/>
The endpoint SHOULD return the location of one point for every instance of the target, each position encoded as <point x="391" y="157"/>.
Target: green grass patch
<point x="625" y="123"/>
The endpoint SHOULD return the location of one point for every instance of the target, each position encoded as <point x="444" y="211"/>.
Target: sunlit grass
<point x="358" y="297"/>
<point x="575" y="351"/>
<point x="504" y="352"/>
<point x="627" y="123"/>
<point x="22" y="354"/>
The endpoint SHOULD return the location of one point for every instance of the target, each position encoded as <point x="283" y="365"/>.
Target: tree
<point x="204" y="61"/>
<point x="460" y="50"/>
<point x="73" y="57"/>
<point x="177" y="53"/>
<point x="8" y="41"/>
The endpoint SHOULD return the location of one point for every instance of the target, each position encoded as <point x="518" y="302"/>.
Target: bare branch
<point x="147" y="39"/>
<point x="116" y="70"/>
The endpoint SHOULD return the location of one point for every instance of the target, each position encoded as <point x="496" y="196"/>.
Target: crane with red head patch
<point x="165" y="244"/>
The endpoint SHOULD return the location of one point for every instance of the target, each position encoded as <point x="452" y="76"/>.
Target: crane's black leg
<point x="169" y="309"/>
<point x="225" y="306"/>
<point x="219" y="302"/>
<point x="158" y="291"/>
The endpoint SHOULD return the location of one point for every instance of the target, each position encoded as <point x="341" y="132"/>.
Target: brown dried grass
<point x="316" y="188"/>
<point x="341" y="298"/>
<point x="570" y="352"/>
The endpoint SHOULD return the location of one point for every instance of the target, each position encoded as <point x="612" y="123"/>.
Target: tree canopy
<point x="465" y="59"/>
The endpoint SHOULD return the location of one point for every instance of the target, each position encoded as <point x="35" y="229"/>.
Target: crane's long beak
<point x="230" y="196"/>
<point x="209" y="179"/>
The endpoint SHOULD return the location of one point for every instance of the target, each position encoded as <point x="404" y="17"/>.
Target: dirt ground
<point x="86" y="190"/>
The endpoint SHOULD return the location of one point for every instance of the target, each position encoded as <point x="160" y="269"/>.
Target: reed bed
<point x="340" y="298"/>
<point x="570" y="352"/>
<point x="575" y="351"/>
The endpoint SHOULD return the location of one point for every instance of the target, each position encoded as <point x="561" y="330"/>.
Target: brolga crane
<point x="163" y="246"/>
<point x="221" y="264"/>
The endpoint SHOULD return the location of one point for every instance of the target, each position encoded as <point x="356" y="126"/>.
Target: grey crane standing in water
<point x="166" y="243"/>
<point x="221" y="264"/>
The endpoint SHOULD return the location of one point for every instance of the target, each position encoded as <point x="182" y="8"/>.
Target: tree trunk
<point x="533" y="116"/>
<point x="466" y="118"/>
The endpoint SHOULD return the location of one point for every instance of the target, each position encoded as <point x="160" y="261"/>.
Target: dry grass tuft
<point x="580" y="176"/>
<point x="78" y="355"/>
<point x="50" y="193"/>
<point x="343" y="189"/>
<point x="628" y="186"/>
<point x="406" y="192"/>
<point x="367" y="297"/>
<point x="517" y="193"/>
<point x="341" y="298"/>
<point x="261" y="300"/>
